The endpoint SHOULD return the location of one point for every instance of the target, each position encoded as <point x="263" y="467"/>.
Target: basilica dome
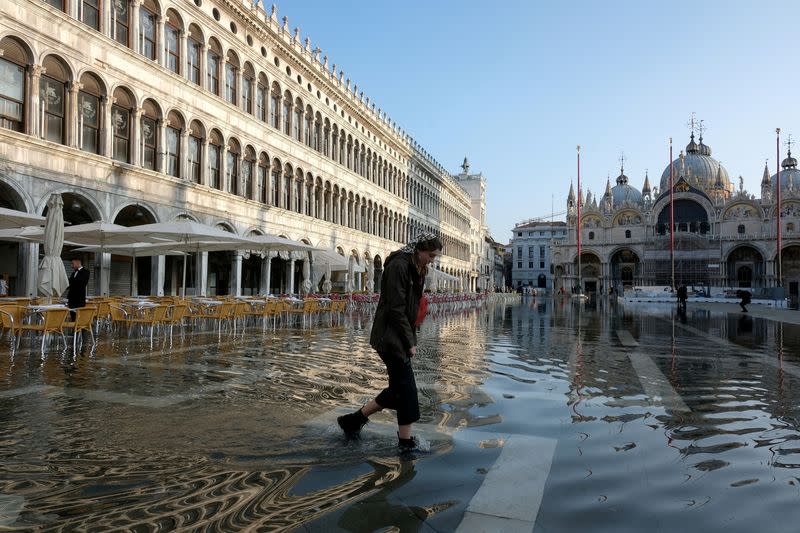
<point x="623" y="192"/>
<point x="789" y="173"/>
<point x="698" y="164"/>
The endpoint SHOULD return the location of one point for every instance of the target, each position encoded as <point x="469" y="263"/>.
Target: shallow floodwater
<point x="660" y="422"/>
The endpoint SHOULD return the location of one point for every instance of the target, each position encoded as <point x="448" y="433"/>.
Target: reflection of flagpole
<point x="580" y="283"/>
<point x="671" y="218"/>
<point x="778" y="201"/>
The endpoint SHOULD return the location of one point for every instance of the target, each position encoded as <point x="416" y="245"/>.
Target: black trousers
<point x="401" y="394"/>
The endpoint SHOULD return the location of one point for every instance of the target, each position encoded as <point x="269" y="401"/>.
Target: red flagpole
<point x="778" y="201"/>
<point x="671" y="219"/>
<point x="580" y="288"/>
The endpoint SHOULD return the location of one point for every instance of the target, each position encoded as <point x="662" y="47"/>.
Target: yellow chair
<point x="84" y="316"/>
<point x="221" y="313"/>
<point x="307" y="311"/>
<point x="11" y="319"/>
<point x="153" y="316"/>
<point x="53" y="323"/>
<point x="176" y="315"/>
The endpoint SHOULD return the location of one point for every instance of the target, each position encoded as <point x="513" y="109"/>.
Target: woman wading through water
<point x="394" y="337"/>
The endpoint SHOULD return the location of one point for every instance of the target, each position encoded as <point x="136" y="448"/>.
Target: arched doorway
<point x="541" y="281"/>
<point x="590" y="272"/>
<point x="790" y="268"/>
<point x="12" y="261"/>
<point x="79" y="210"/>
<point x="625" y="267"/>
<point x="131" y="275"/>
<point x="745" y="268"/>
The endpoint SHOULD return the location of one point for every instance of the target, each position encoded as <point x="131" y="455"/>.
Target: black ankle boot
<point x="351" y="424"/>
<point x="407" y="446"/>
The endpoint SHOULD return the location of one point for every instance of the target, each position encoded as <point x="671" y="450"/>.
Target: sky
<point x="516" y="85"/>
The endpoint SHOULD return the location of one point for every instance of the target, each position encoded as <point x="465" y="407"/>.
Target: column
<point x="291" y="273"/>
<point x="183" y="50"/>
<point x="266" y="274"/>
<point x="157" y="273"/>
<point x="203" y="63"/>
<point x="30" y="273"/>
<point x="223" y="168"/>
<point x="236" y="274"/>
<point x="204" y="169"/>
<point x="136" y="45"/>
<point x="104" y="275"/>
<point x="160" y="40"/>
<point x="73" y="120"/>
<point x="136" y="134"/>
<point x="183" y="159"/>
<point x="161" y="147"/>
<point x="106" y="131"/>
<point x="134" y="278"/>
<point x="33" y="117"/>
<point x="201" y="285"/>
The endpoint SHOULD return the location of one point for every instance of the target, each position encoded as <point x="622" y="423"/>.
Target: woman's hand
<point x="413" y="351"/>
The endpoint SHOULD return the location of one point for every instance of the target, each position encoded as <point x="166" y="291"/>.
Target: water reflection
<point x="687" y="419"/>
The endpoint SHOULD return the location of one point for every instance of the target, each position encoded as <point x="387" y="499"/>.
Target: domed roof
<point x="789" y="173"/>
<point x="697" y="163"/>
<point x="623" y="192"/>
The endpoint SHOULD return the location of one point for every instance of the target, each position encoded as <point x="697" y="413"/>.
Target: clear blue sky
<point x="515" y="85"/>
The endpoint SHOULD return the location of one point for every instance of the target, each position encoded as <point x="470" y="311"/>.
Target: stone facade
<point x="531" y="256"/>
<point x="723" y="236"/>
<point x="144" y="111"/>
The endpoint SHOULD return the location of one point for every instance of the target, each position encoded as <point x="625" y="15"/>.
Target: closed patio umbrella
<point x="327" y="285"/>
<point x="52" y="276"/>
<point x="351" y="273"/>
<point x="370" y="276"/>
<point x="306" y="276"/>
<point x="11" y="218"/>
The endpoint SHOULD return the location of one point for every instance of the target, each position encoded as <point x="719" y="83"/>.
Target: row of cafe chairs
<point x="54" y="321"/>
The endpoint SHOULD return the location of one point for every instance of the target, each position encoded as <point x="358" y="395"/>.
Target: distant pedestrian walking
<point x="745" y="299"/>
<point x="683" y="295"/>
<point x="394" y="337"/>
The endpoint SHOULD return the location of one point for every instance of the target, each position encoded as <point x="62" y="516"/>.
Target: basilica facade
<point x="724" y="236"/>
<point x="140" y="111"/>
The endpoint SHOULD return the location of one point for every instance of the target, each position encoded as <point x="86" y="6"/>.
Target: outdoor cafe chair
<point x="176" y="315"/>
<point x="307" y="311"/>
<point x="53" y="322"/>
<point x="151" y="316"/>
<point x="11" y="319"/>
<point x="117" y="315"/>
<point x="84" y="316"/>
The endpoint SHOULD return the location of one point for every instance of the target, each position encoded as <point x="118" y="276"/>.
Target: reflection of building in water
<point x="724" y="236"/>
<point x="152" y="111"/>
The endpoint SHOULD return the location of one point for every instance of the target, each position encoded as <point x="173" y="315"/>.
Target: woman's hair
<point x="429" y="245"/>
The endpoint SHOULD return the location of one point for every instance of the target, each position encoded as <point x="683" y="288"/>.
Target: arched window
<point x="308" y="192"/>
<point x="287" y="113"/>
<point x="248" y="81"/>
<point x="275" y="106"/>
<point x="52" y="91"/>
<point x="740" y="229"/>
<point x="353" y="165"/>
<point x="248" y="170"/>
<point x="317" y="140"/>
<point x="349" y="152"/>
<point x="297" y="124"/>
<point x="308" y="136"/>
<point x="195" y="156"/>
<point x="334" y="142"/>
<point x="231" y="78"/>
<point x="274" y="183"/>
<point x="90" y="13"/>
<point x="263" y="176"/>
<point x="215" y="160"/>
<point x="89" y="113"/>
<point x="297" y="194"/>
<point x="232" y="166"/>
<point x="121" y="113"/>
<point x="286" y="187"/>
<point x="147" y="29"/>
<point x="174" y="132"/>
<point x="326" y="141"/>
<point x="150" y="126"/>
<point x="627" y="234"/>
<point x="194" y="47"/>
<point x="591" y="235"/>
<point x="172" y="41"/>
<point x="261" y="98"/>
<point x="790" y="227"/>
<point x="121" y="22"/>
<point x="13" y="105"/>
<point x="213" y="66"/>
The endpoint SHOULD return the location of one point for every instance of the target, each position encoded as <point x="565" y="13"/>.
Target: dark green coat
<point x="401" y="291"/>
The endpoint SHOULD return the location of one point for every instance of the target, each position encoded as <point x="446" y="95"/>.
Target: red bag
<point x="423" y="311"/>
